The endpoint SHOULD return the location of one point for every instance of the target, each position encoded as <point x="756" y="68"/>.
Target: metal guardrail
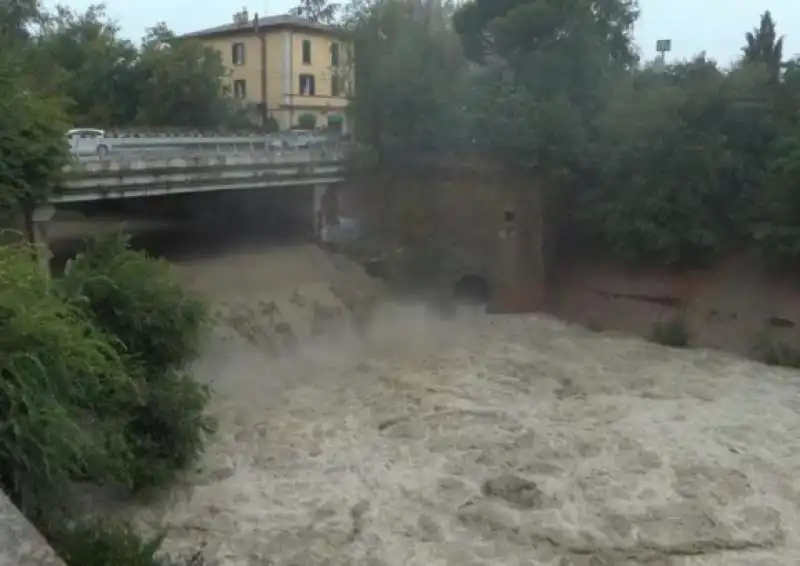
<point x="179" y="134"/>
<point x="207" y="147"/>
<point x="185" y="141"/>
<point x="199" y="133"/>
<point x="102" y="180"/>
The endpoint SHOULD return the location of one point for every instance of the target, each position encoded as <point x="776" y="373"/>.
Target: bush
<point x="94" y="543"/>
<point x="307" y="121"/>
<point x="159" y="327"/>
<point x="776" y="231"/>
<point x="167" y="429"/>
<point x="271" y="125"/>
<point x="93" y="388"/>
<point x="673" y="333"/>
<point x="776" y="352"/>
<point x="137" y="299"/>
<point x="61" y="383"/>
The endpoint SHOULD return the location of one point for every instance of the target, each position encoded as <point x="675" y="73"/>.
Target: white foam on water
<point x="473" y="440"/>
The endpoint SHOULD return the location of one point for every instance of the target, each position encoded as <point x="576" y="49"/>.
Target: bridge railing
<point x="205" y="147"/>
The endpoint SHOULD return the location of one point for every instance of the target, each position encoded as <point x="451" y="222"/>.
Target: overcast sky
<point x="714" y="26"/>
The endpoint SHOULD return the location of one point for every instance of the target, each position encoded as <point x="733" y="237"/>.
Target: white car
<point x="295" y="139"/>
<point x="88" y="141"/>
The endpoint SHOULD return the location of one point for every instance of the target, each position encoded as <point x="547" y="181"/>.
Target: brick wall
<point x="726" y="306"/>
<point x="463" y="206"/>
<point x="485" y="219"/>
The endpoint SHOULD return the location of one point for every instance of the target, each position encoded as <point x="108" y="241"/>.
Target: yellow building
<point x="283" y="67"/>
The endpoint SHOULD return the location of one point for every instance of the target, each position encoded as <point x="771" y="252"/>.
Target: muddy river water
<point x="471" y="440"/>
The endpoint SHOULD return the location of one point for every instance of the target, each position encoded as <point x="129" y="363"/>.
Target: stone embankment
<point x="20" y="543"/>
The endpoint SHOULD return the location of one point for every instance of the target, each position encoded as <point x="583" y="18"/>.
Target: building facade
<point x="285" y="68"/>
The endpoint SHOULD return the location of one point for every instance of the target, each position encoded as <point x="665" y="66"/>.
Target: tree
<point x="32" y="148"/>
<point x="547" y="68"/>
<point x="317" y="11"/>
<point x="181" y="82"/>
<point x="90" y="64"/>
<point x="166" y="81"/>
<point x="765" y="47"/>
<point x="408" y="73"/>
<point x="15" y="18"/>
<point x="514" y="29"/>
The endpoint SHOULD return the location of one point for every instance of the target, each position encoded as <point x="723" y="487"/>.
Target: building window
<point x="240" y="89"/>
<point x="307" y="86"/>
<point x="237" y="53"/>
<point x="336" y="87"/>
<point x="334" y="54"/>
<point x="306" y="52"/>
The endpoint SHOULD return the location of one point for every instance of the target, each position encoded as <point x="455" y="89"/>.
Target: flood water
<point x="415" y="440"/>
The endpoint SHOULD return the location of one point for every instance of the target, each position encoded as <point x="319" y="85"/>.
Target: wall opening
<point x="472" y="289"/>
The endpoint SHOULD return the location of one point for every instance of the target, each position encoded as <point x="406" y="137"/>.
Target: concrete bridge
<point x="182" y="170"/>
<point x="135" y="176"/>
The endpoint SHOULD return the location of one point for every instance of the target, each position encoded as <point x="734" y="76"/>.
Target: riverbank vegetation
<point x="94" y="382"/>
<point x="671" y="162"/>
<point x="95" y="387"/>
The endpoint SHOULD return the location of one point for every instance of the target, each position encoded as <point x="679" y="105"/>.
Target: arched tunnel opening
<point x="472" y="289"/>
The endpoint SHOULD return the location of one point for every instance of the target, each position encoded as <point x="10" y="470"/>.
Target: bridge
<point x="173" y="166"/>
<point x="134" y="175"/>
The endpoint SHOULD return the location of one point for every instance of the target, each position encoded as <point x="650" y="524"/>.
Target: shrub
<point x="94" y="543"/>
<point x="673" y="333"/>
<point x="167" y="429"/>
<point x="307" y="121"/>
<point x="139" y="300"/>
<point x="159" y="326"/>
<point x="61" y="383"/>
<point x="776" y="352"/>
<point x="776" y="231"/>
<point x="271" y="125"/>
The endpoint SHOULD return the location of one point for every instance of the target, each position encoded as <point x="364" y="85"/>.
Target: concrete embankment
<point x="20" y="543"/>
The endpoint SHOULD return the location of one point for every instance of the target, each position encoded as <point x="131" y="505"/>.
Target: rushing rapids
<point x="470" y="440"/>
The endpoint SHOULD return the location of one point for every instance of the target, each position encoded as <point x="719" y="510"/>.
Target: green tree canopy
<point x="181" y="82"/>
<point x="408" y="73"/>
<point x="764" y="46"/>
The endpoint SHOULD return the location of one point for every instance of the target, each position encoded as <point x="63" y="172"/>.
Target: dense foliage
<point x="107" y="81"/>
<point x="158" y="326"/>
<point x="667" y="162"/>
<point x="98" y="543"/>
<point x="61" y="384"/>
<point x="93" y="382"/>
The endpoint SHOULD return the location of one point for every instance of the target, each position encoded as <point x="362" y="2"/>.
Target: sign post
<point x="663" y="46"/>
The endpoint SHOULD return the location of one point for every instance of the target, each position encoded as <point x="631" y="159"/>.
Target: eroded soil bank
<point x="474" y="440"/>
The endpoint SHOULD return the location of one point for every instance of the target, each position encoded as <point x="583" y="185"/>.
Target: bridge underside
<point x="170" y="223"/>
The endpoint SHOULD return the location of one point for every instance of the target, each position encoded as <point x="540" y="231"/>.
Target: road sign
<point x="664" y="45"/>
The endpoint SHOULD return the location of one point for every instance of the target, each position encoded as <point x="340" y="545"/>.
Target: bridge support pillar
<point x="41" y="221"/>
<point x="326" y="213"/>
